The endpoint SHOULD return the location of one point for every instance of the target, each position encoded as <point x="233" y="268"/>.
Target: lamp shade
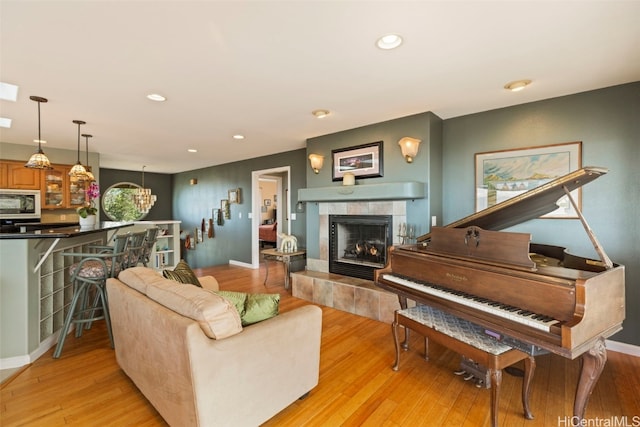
<point x="409" y="147"/>
<point x="316" y="162"/>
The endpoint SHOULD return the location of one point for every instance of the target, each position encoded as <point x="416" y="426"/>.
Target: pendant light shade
<point x="38" y="160"/>
<point x="88" y="175"/>
<point x="142" y="197"/>
<point x="78" y="171"/>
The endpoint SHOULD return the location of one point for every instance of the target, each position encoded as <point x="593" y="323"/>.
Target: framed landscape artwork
<point x="363" y="161"/>
<point x="501" y="175"/>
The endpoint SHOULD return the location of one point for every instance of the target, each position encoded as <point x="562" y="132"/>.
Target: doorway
<point x="277" y="182"/>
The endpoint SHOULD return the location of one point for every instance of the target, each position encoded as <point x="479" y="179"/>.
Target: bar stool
<point x="150" y="240"/>
<point x="89" y="277"/>
<point x="135" y="249"/>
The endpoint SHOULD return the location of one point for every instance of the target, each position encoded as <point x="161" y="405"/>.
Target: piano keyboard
<point x="534" y="320"/>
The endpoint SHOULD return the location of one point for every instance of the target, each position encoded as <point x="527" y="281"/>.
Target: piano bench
<point x="469" y="340"/>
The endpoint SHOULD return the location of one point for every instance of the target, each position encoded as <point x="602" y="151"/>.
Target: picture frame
<point x="234" y="196"/>
<point x="267" y="202"/>
<point x="224" y="207"/>
<point x="500" y="175"/>
<point x="363" y="161"/>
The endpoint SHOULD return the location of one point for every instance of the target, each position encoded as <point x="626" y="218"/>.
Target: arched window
<point x="117" y="202"/>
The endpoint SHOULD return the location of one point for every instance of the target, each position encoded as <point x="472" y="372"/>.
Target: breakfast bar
<point x="35" y="286"/>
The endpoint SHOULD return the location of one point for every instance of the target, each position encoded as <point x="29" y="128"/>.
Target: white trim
<point x="621" y="347"/>
<point x="19" y="361"/>
<point x="242" y="264"/>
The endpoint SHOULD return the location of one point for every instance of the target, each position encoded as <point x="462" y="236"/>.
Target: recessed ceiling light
<point x="192" y="150"/>
<point x="5" y="123"/>
<point x="156" y="97"/>
<point x="238" y="136"/>
<point x="389" y="41"/>
<point x="8" y="92"/>
<point x="517" y="85"/>
<point x="321" y="114"/>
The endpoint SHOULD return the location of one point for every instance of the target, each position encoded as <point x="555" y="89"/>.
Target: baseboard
<point x="26" y="359"/>
<point x="621" y="347"/>
<point x="242" y="264"/>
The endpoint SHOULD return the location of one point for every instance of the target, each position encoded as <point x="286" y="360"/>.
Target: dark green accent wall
<point x="232" y="241"/>
<point x="607" y="123"/>
<point x="159" y="183"/>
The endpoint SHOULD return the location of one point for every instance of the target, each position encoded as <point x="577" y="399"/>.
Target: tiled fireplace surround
<point x="346" y="293"/>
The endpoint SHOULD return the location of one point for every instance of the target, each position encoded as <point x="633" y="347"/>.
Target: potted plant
<point x="87" y="213"/>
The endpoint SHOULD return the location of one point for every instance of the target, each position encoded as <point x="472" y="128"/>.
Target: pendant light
<point x="78" y="171"/>
<point x="88" y="175"/>
<point x="38" y="160"/>
<point x="142" y="197"/>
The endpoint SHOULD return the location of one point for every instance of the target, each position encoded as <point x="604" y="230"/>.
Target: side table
<point x="286" y="258"/>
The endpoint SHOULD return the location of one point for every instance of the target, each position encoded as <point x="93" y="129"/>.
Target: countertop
<point x="63" y="232"/>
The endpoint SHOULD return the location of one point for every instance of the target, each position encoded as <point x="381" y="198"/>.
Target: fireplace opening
<point x="358" y="244"/>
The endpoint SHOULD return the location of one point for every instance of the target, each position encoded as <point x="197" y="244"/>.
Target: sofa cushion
<point x="182" y="273"/>
<point x="253" y="308"/>
<point x="140" y="278"/>
<point x="217" y="317"/>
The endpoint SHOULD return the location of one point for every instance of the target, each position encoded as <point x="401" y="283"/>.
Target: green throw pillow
<point x="253" y="308"/>
<point x="183" y="274"/>
<point x="237" y="298"/>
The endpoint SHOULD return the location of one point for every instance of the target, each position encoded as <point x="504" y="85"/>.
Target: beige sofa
<point x="242" y="378"/>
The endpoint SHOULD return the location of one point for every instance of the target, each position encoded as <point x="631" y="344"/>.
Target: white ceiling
<point x="260" y="67"/>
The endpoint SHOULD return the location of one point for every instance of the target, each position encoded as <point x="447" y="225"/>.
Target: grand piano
<point x="534" y="297"/>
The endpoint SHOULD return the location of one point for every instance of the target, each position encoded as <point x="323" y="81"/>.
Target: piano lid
<point x="532" y="204"/>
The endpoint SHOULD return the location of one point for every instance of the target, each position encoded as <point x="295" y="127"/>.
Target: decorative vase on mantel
<point x="88" y="222"/>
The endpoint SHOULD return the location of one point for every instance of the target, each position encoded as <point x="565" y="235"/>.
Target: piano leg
<point x="529" y="369"/>
<point x="593" y="362"/>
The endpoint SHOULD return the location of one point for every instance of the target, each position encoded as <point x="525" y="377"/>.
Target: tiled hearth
<point x="350" y="294"/>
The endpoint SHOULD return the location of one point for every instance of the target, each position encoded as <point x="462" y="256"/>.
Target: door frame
<point x="256" y="204"/>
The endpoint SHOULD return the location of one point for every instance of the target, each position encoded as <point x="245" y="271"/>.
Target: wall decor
<point x="224" y="207"/>
<point x="501" y="175"/>
<point x="363" y="161"/>
<point x="234" y="196"/>
<point x="267" y="202"/>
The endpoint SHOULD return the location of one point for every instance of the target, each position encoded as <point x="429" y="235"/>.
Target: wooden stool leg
<point x="496" y="380"/>
<point x="396" y="342"/>
<point x="529" y="368"/>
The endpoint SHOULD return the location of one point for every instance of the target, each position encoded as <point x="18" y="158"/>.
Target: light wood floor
<point x="357" y="386"/>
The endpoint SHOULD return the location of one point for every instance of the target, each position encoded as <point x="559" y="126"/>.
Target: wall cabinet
<point x="166" y="253"/>
<point x="59" y="190"/>
<point x="13" y="174"/>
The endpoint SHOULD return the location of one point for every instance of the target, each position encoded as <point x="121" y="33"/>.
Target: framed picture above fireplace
<point x="363" y="161"/>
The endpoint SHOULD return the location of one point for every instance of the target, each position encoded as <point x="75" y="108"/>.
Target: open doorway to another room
<point x="270" y="207"/>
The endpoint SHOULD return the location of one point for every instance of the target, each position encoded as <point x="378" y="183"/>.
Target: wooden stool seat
<point x="469" y="340"/>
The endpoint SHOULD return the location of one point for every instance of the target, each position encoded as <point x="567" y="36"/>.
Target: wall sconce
<point x="300" y="206"/>
<point x="193" y="181"/>
<point x="409" y="147"/>
<point x="316" y="161"/>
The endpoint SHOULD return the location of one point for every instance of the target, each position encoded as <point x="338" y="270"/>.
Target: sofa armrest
<point x="266" y="367"/>
<point x="209" y="282"/>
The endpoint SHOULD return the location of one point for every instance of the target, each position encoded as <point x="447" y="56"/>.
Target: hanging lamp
<point x="78" y="171"/>
<point x="88" y="175"/>
<point x="142" y="197"/>
<point x="38" y="160"/>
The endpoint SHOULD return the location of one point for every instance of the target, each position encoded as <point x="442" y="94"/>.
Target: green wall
<point x="606" y="121"/>
<point x="232" y="241"/>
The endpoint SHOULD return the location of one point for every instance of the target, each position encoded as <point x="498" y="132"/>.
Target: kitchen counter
<point x="49" y="231"/>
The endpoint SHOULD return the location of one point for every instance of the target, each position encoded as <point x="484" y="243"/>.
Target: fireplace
<point x="358" y="244"/>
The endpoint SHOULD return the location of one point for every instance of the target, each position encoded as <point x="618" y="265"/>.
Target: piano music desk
<point x="469" y="340"/>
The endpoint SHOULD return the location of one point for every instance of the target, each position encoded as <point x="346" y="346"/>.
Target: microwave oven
<point x="20" y="204"/>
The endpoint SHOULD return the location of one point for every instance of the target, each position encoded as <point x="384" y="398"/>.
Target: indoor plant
<point x="87" y="212"/>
